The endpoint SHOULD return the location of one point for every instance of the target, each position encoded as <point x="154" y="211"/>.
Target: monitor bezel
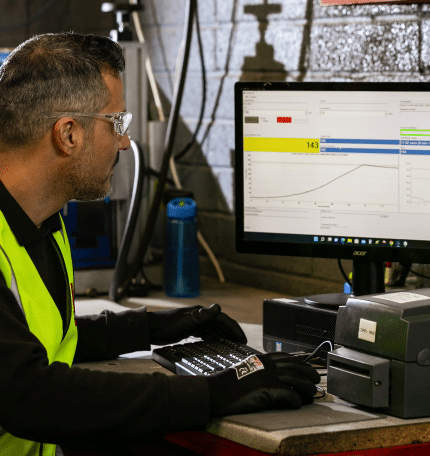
<point x="406" y="255"/>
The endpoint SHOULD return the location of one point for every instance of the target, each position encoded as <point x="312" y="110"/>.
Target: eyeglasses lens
<point x="124" y="122"/>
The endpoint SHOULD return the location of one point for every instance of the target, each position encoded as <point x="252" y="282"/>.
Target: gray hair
<point x="49" y="73"/>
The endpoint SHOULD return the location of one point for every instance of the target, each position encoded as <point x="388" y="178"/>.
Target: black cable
<point x="408" y="269"/>
<point x="226" y="72"/>
<point x="42" y="11"/>
<point x="152" y="172"/>
<point x="203" y="104"/>
<point x="343" y="272"/>
<point x="311" y="355"/>
<point x="168" y="150"/>
<point x="321" y="391"/>
<point x="419" y="274"/>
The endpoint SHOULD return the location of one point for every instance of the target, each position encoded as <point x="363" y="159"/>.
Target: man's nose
<point x="124" y="142"/>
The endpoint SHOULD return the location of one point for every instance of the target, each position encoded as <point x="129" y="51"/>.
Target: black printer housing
<point x="384" y="361"/>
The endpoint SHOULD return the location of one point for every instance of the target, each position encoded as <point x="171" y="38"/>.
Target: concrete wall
<point x="252" y="40"/>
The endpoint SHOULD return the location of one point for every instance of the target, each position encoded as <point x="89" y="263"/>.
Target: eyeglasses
<point x="121" y="120"/>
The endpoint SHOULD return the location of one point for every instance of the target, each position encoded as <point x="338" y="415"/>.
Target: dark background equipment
<point x="292" y="326"/>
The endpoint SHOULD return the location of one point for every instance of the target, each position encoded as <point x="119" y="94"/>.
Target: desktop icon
<point x="315" y="238"/>
<point x="405" y="243"/>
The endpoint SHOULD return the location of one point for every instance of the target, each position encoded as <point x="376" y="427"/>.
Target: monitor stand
<point x="328" y="300"/>
<point x="367" y="278"/>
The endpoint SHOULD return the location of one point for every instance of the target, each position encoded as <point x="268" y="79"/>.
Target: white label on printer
<point x="403" y="297"/>
<point x="367" y="330"/>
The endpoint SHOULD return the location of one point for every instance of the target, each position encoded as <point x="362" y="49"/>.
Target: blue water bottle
<point x="181" y="263"/>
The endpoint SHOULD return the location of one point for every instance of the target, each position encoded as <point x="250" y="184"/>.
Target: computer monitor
<point x="334" y="170"/>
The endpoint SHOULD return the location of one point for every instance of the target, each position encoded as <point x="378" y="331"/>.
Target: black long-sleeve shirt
<point x="57" y="404"/>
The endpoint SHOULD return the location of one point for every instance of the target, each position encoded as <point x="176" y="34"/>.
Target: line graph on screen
<point x="329" y="181"/>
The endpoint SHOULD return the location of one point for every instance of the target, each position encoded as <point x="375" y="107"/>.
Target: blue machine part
<point x="91" y="230"/>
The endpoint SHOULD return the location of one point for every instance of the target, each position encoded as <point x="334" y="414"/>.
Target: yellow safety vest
<point x="42" y="315"/>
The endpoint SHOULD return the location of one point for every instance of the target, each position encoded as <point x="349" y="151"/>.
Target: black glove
<point x="272" y="381"/>
<point x="209" y="323"/>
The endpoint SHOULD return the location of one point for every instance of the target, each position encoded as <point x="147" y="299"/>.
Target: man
<point x="63" y="123"/>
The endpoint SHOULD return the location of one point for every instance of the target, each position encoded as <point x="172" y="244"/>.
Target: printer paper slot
<point x="358" y="377"/>
<point x="350" y="368"/>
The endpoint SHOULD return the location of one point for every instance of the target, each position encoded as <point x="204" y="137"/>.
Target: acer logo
<point x="359" y="253"/>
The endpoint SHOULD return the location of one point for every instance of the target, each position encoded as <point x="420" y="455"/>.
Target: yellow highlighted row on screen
<point x="304" y="145"/>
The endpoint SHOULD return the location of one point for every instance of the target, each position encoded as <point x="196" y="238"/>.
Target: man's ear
<point x="67" y="135"/>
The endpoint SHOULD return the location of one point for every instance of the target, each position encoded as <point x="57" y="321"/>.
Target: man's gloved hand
<point x="272" y="381"/>
<point x="209" y="323"/>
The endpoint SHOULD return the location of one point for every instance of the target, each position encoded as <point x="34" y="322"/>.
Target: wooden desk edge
<point x="384" y="433"/>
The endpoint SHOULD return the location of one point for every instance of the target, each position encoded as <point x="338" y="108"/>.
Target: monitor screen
<point x="334" y="170"/>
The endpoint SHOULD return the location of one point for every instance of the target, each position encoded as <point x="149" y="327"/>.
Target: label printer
<point x="384" y="356"/>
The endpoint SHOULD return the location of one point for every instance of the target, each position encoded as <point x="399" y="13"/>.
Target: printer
<point x="384" y="356"/>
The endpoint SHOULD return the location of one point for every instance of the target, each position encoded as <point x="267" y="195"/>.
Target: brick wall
<point x="273" y="40"/>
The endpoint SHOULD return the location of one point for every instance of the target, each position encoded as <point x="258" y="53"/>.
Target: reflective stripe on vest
<point x="13" y="285"/>
<point x="42" y="316"/>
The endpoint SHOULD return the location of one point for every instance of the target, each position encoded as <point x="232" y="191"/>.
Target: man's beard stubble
<point x="88" y="187"/>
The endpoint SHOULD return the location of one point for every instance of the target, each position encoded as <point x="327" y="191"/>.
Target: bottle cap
<point x="181" y="208"/>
